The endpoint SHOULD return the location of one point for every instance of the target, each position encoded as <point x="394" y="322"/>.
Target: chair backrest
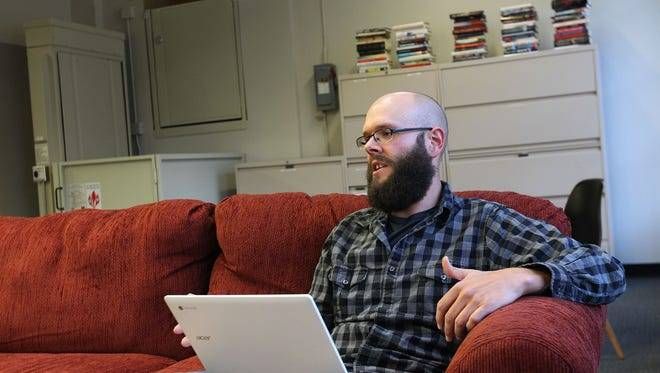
<point x="583" y="210"/>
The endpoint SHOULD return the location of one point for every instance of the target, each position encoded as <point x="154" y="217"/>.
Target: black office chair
<point x="583" y="210"/>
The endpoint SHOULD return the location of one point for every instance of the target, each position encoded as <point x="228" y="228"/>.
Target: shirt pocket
<point x="433" y="283"/>
<point x="345" y="277"/>
<point x="353" y="292"/>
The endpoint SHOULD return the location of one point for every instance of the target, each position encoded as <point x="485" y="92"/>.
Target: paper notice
<point x="75" y="197"/>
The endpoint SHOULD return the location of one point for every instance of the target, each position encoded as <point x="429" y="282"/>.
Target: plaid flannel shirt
<point x="379" y="301"/>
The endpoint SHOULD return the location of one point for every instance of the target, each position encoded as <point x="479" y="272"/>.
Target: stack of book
<point x="373" y="47"/>
<point x="412" y="44"/>
<point x="519" y="29"/>
<point x="469" y="35"/>
<point x="570" y="22"/>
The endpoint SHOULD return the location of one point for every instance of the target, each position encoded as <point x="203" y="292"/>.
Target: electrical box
<point x="325" y="77"/>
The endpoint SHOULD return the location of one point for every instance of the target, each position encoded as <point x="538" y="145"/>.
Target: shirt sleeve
<point x="321" y="290"/>
<point x="579" y="272"/>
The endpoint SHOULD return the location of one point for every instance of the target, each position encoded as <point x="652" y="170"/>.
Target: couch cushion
<point x="271" y="243"/>
<point x="94" y="281"/>
<point x="38" y="362"/>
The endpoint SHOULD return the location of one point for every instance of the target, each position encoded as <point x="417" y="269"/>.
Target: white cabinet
<point x="321" y="175"/>
<point x="116" y="183"/>
<point x="528" y="123"/>
<point x="77" y="91"/>
<point x="78" y="95"/>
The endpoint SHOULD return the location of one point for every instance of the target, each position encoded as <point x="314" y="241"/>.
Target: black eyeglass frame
<point x="362" y="141"/>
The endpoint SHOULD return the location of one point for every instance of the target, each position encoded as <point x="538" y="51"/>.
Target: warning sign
<point x="93" y="194"/>
<point x="84" y="196"/>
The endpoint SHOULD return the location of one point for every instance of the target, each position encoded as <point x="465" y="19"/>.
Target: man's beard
<point x="410" y="179"/>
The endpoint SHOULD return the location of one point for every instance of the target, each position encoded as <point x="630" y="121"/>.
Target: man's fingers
<point x="443" y="306"/>
<point x="450" y="318"/>
<point x="460" y="323"/>
<point x="185" y="342"/>
<point x="476" y="317"/>
<point x="178" y="329"/>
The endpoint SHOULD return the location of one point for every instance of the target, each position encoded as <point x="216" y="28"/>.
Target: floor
<point x="635" y="317"/>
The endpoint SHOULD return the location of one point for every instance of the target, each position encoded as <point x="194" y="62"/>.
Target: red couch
<point x="83" y="291"/>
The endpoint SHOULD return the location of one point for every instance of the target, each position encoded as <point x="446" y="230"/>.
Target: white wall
<point x="627" y="36"/>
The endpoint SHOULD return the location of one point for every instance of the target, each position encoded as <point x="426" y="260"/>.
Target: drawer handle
<point x="413" y="74"/>
<point x="288" y="167"/>
<point x="522" y="155"/>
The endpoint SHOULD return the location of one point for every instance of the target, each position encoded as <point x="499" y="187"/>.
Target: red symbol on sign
<point x="94" y="199"/>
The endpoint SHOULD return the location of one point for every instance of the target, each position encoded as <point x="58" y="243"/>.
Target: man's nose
<point x="372" y="146"/>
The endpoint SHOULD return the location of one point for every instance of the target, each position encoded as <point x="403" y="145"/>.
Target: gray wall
<point x="17" y="192"/>
<point x="280" y="42"/>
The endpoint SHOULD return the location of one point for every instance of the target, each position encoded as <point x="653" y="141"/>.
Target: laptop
<point x="256" y="333"/>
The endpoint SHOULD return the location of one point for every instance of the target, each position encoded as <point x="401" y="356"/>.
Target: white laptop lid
<point x="256" y="333"/>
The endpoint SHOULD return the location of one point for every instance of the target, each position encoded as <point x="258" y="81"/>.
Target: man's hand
<point x="185" y="342"/>
<point x="478" y="293"/>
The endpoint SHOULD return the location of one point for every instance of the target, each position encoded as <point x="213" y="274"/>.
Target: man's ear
<point x="437" y="141"/>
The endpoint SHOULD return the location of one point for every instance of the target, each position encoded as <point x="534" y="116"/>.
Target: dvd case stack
<point x="412" y="44"/>
<point x="519" y="29"/>
<point x="469" y="35"/>
<point x="570" y="22"/>
<point x="373" y="46"/>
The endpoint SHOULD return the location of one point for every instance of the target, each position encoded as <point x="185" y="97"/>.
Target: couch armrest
<point x="534" y="334"/>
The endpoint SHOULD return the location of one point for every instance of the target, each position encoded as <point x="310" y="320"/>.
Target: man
<point x="399" y="284"/>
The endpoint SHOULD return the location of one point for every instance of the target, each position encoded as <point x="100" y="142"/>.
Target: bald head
<point x="410" y="109"/>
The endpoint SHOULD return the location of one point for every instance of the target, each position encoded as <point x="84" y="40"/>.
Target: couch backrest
<point x="271" y="243"/>
<point x="94" y="281"/>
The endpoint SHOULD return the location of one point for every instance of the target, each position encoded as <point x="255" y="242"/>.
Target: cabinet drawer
<point x="358" y="94"/>
<point x="356" y="174"/>
<point x="542" y="120"/>
<point x="505" y="79"/>
<point x="548" y="174"/>
<point x="310" y="177"/>
<point x="351" y="130"/>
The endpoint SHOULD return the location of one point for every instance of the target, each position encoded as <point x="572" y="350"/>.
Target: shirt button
<point x="345" y="282"/>
<point x="391" y="269"/>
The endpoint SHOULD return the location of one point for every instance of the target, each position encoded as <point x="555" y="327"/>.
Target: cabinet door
<point x="93" y="107"/>
<point x="311" y="178"/>
<point x="507" y="80"/>
<point x="527" y="122"/>
<point x="195" y="71"/>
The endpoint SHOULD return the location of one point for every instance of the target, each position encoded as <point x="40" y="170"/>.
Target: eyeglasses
<point x="385" y="135"/>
